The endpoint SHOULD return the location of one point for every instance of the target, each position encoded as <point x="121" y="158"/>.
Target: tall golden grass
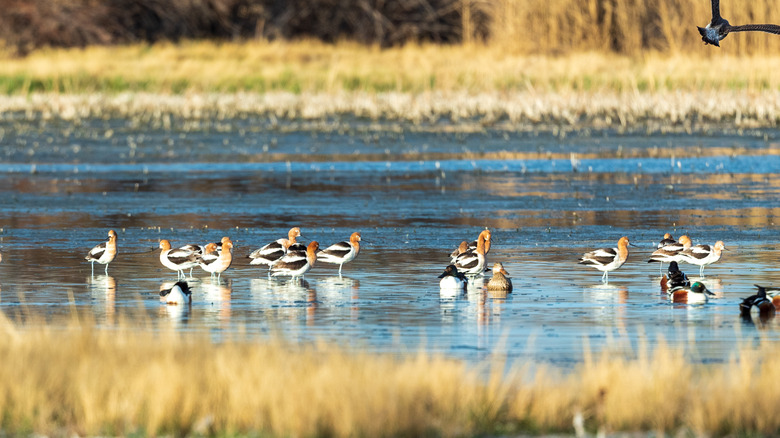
<point x="84" y="380"/>
<point x="622" y="26"/>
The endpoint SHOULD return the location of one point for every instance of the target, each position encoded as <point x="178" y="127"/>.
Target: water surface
<point x="414" y="192"/>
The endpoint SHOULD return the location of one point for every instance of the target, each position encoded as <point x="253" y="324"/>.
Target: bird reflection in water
<point x="102" y="289"/>
<point x="613" y="297"/>
<point x="217" y="294"/>
<point x="340" y="290"/>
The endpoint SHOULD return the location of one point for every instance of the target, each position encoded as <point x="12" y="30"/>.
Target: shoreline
<point x="654" y="112"/>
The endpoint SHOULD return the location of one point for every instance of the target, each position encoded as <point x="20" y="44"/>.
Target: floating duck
<point x="500" y="280"/>
<point x="451" y="279"/>
<point x="759" y="302"/>
<point x="179" y="294"/>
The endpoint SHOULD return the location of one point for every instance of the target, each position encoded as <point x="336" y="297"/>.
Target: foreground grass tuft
<point x="90" y="381"/>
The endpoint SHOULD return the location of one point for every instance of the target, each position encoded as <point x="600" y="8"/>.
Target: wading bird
<point x="103" y="253"/>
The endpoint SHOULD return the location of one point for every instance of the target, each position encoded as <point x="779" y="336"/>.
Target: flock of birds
<point x="283" y="257"/>
<point x="287" y="257"/>
<point x="469" y="261"/>
<point x="290" y="258"/>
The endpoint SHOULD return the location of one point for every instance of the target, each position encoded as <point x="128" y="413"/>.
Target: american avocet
<point x="179" y="294"/>
<point x="103" y="253"/>
<point x="667" y="240"/>
<point x="703" y="255"/>
<point x="342" y="252"/>
<point x="177" y="259"/>
<point x="696" y="293"/>
<point x="607" y="259"/>
<point x="674" y="278"/>
<point x="217" y="262"/>
<point x="451" y="279"/>
<point x="500" y="280"/>
<point x="210" y="255"/>
<point x="473" y="262"/>
<point x="719" y="27"/>
<point x="671" y="252"/>
<point x="463" y="247"/>
<point x="295" y="264"/>
<point x="759" y="302"/>
<point x="275" y="250"/>
<point x="471" y="245"/>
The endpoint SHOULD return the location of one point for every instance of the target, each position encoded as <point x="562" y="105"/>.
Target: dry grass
<point x="625" y="26"/>
<point x="89" y="381"/>
<point x="417" y="83"/>
<point x="313" y="67"/>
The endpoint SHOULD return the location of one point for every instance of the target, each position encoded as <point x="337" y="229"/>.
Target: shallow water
<point x="414" y="193"/>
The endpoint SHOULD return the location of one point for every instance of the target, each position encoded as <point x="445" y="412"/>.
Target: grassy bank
<point x="311" y="80"/>
<point x="90" y="381"/>
<point x="314" y="67"/>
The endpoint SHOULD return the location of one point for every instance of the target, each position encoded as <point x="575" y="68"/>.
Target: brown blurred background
<point x="522" y="26"/>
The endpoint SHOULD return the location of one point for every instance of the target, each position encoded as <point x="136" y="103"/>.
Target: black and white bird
<point x="607" y="259"/>
<point x="703" y="255"/>
<point x="294" y="264"/>
<point x="759" y="302"/>
<point x="342" y="252"/>
<point x="103" y="253"/>
<point x="466" y="246"/>
<point x="269" y="254"/>
<point x="178" y="259"/>
<point x="452" y="280"/>
<point x="473" y="262"/>
<point x="719" y="27"/>
<point x="178" y="294"/>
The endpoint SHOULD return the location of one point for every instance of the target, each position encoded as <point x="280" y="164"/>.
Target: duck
<point x="674" y="279"/>
<point x="500" y="280"/>
<point x="473" y="262"/>
<point x="696" y="293"/>
<point x="272" y="252"/>
<point x="103" y="253"/>
<point x="451" y="279"/>
<point x="607" y="259"/>
<point x="342" y="252"/>
<point x="719" y="27"/>
<point x="294" y="264"/>
<point x="179" y="294"/>
<point x="759" y="302"/>
<point x="703" y="255"/>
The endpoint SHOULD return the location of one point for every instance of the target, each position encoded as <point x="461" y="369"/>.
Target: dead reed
<point x="125" y="380"/>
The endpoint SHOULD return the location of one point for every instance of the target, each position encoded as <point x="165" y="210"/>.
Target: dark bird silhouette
<point x="719" y="27"/>
<point x="759" y="301"/>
